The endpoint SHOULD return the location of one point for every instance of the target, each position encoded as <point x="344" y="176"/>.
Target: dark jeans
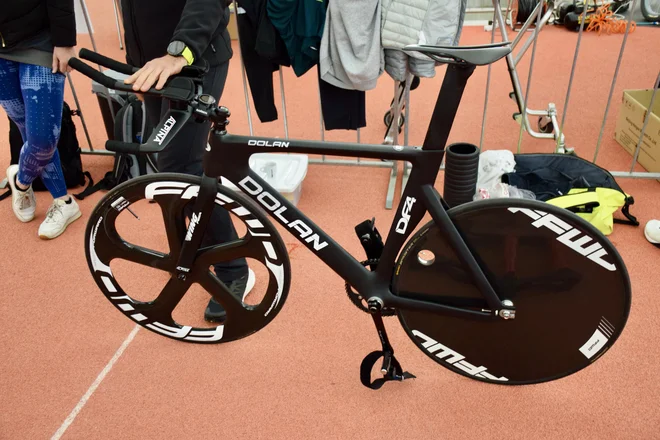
<point x="184" y="155"/>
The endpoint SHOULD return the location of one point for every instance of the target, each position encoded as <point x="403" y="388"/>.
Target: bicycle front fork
<point x="199" y="220"/>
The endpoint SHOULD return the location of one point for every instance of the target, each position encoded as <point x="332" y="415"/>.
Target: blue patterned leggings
<point x="32" y="96"/>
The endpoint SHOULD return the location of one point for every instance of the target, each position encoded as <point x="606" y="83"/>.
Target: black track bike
<point x="504" y="291"/>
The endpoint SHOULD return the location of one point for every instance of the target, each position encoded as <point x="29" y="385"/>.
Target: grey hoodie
<point x="351" y="55"/>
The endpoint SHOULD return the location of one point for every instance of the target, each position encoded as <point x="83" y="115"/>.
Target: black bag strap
<point x="88" y="189"/>
<point x="625" y="210"/>
<point x="142" y="164"/>
<point x="107" y="183"/>
<point x="393" y="373"/>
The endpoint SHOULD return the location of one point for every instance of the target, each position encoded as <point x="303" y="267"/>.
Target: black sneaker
<point x="239" y="288"/>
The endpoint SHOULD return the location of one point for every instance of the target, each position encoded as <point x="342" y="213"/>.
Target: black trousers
<point x="184" y="155"/>
<point x="342" y="109"/>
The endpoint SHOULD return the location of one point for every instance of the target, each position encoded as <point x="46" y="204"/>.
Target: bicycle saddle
<point x="477" y="55"/>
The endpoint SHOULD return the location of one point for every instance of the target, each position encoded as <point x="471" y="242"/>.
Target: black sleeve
<point x="199" y="21"/>
<point x="62" y="22"/>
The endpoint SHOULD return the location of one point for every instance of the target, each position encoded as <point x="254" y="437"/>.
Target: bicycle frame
<point x="228" y="156"/>
<point x="503" y="348"/>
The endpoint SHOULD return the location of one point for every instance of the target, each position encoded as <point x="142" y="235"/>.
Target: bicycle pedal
<point x="387" y="363"/>
<point x="393" y="372"/>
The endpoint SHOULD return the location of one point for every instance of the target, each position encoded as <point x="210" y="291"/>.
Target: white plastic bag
<point x="493" y="164"/>
<point x="502" y="190"/>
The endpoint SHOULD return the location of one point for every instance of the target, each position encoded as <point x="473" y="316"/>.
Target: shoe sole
<point x="216" y="320"/>
<point x="252" y="280"/>
<point x="22" y="219"/>
<point x="71" y="220"/>
<point x="10" y="182"/>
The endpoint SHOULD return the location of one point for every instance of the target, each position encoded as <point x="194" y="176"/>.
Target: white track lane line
<point x="83" y="400"/>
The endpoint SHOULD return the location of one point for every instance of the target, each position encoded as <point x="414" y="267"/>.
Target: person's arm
<point x="62" y="27"/>
<point x="199" y="21"/>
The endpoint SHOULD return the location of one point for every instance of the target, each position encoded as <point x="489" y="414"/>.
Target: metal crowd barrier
<point x="549" y="125"/>
<point x="558" y="128"/>
<point x="79" y="112"/>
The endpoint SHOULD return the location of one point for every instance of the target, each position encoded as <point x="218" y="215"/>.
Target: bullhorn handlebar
<point x="184" y="91"/>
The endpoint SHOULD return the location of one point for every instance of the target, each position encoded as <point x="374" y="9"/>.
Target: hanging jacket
<point x="351" y="53"/>
<point x="300" y="25"/>
<point x="259" y="69"/>
<point x="268" y="43"/>
<point x="404" y="22"/>
<point x="150" y="26"/>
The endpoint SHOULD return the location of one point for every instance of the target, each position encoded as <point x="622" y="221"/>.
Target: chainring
<point x="361" y="302"/>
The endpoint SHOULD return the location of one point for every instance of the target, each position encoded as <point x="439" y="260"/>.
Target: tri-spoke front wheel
<point x="138" y="229"/>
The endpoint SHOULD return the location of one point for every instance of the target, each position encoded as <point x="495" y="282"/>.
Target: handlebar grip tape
<point x="97" y="76"/>
<point x="104" y="61"/>
<point x="122" y="147"/>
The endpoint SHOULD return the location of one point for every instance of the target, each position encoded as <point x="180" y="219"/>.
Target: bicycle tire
<point x="650" y="14"/>
<point x="173" y="192"/>
<point x="569" y="310"/>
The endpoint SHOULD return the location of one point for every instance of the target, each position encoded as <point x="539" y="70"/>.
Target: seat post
<point x="446" y="106"/>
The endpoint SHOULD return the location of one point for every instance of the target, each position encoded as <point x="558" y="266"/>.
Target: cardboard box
<point x="629" y="126"/>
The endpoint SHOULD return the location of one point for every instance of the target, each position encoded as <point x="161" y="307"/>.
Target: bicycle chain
<point x="359" y="301"/>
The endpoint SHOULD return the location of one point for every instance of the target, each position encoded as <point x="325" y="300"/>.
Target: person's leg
<point x="184" y="155"/>
<point x="43" y="94"/>
<point x="11" y="100"/>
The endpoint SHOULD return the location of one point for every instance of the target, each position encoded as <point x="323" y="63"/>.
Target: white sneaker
<point x="652" y="231"/>
<point x="59" y="216"/>
<point x="23" y="203"/>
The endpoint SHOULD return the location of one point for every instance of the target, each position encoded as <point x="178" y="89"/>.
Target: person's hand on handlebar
<point x="61" y="57"/>
<point x="156" y="71"/>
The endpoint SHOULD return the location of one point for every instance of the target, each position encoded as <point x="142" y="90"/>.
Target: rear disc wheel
<point x="568" y="284"/>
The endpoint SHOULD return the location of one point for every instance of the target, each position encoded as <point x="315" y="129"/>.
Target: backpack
<point x="562" y="180"/>
<point x="130" y="125"/>
<point x="595" y="205"/>
<point x="67" y="147"/>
